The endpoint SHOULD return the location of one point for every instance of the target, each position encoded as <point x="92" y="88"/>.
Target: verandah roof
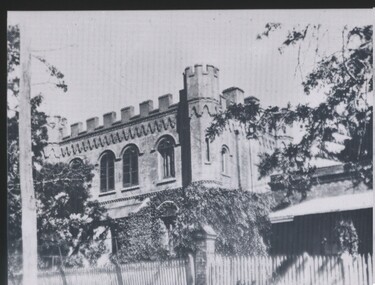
<point x="340" y="203"/>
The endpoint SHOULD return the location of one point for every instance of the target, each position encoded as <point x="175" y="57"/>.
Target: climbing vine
<point x="346" y="235"/>
<point x="239" y="218"/>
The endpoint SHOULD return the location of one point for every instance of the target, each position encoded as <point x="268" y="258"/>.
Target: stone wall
<point x="185" y="122"/>
<point x="143" y="131"/>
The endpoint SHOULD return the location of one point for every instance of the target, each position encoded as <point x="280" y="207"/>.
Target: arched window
<point x="107" y="172"/>
<point x="166" y="151"/>
<point x="130" y="167"/>
<point x="75" y="163"/>
<point x="224" y="160"/>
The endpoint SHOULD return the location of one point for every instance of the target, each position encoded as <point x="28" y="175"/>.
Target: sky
<point x="113" y="59"/>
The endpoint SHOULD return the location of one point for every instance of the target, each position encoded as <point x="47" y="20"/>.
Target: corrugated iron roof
<point x="340" y="203"/>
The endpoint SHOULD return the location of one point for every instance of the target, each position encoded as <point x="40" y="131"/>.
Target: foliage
<point x="134" y="242"/>
<point x="347" y="237"/>
<point x="55" y="73"/>
<point x="239" y="218"/>
<point x="343" y="118"/>
<point x="67" y="218"/>
<point x="39" y="140"/>
<point x="270" y="27"/>
<point x="66" y="215"/>
<point x="13" y="62"/>
<point x="13" y="57"/>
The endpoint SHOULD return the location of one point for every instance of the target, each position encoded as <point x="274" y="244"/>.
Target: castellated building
<point x="165" y="147"/>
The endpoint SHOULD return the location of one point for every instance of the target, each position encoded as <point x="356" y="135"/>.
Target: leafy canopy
<point x="339" y="128"/>
<point x="66" y="216"/>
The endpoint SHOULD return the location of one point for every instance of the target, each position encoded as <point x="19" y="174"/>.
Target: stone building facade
<point x="165" y="147"/>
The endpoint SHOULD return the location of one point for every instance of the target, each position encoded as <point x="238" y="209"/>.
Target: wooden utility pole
<point x="29" y="226"/>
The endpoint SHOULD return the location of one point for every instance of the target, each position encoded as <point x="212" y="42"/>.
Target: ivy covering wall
<point x="240" y="219"/>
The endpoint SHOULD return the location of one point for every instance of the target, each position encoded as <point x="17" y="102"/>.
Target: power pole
<point x="29" y="225"/>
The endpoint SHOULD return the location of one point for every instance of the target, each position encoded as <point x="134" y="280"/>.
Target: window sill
<point x="225" y="175"/>
<point x="107" y="193"/>
<point x="130" y="188"/>
<point x="207" y="162"/>
<point x="166" y="181"/>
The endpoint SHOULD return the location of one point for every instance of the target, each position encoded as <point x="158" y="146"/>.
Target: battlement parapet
<point x="200" y="69"/>
<point x="127" y="116"/>
<point x="117" y="134"/>
<point x="164" y="102"/>
<point x="92" y="124"/>
<point x="145" y="108"/>
<point x="75" y="129"/>
<point x="57" y="128"/>
<point x="202" y="81"/>
<point x="109" y="119"/>
<point x="127" y="113"/>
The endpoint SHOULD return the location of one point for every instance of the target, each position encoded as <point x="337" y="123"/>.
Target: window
<point x="207" y="149"/>
<point x="224" y="159"/>
<point x="130" y="167"/>
<point x="166" y="150"/>
<point x="107" y="172"/>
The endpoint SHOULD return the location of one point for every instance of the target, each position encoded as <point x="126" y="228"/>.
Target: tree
<point x="66" y="217"/>
<point x="343" y="118"/>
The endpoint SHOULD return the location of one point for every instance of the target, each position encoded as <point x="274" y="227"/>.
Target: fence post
<point x="205" y="244"/>
<point x="119" y="275"/>
<point x="63" y="277"/>
<point x="190" y="274"/>
<point x="62" y="272"/>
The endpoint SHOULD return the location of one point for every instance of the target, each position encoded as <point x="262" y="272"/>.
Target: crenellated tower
<point x="225" y="161"/>
<point x="201" y="98"/>
<point x="202" y="81"/>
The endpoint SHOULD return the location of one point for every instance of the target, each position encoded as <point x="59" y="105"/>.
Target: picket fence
<point x="171" y="272"/>
<point x="290" y="270"/>
<point x="224" y="270"/>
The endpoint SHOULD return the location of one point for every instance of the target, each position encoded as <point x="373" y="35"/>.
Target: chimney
<point x="92" y="124"/>
<point x="126" y="114"/>
<point x="75" y="129"/>
<point x="145" y="108"/>
<point x="234" y="95"/>
<point x="164" y="102"/>
<point x="109" y="119"/>
<point x="251" y="99"/>
<point x="63" y="130"/>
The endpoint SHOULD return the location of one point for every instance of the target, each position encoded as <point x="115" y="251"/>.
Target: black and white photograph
<point x="190" y="147"/>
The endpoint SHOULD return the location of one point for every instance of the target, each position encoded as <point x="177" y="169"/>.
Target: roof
<point x="340" y="203"/>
